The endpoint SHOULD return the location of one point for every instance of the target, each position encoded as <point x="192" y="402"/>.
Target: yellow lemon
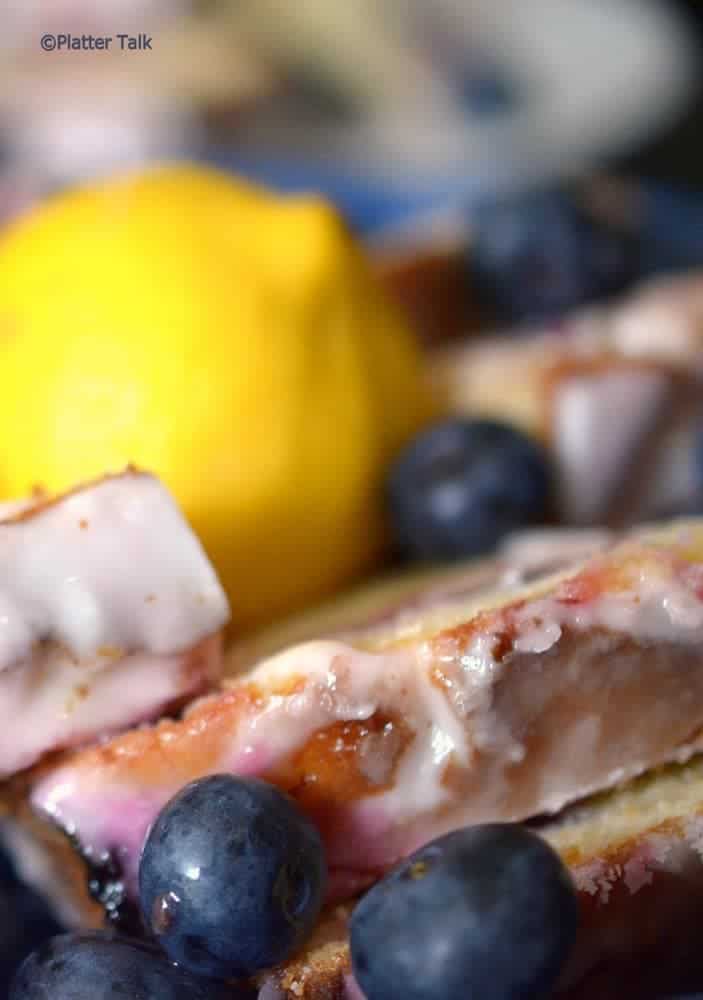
<point x="230" y="340"/>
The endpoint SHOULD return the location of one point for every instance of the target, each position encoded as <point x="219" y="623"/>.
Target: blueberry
<point x="232" y="876"/>
<point x="537" y="256"/>
<point x="8" y="874"/>
<point x="696" y="459"/>
<point x="485" y="913"/>
<point x="487" y="90"/>
<point x="95" y="966"/>
<point x="26" y="924"/>
<point x="459" y="487"/>
<point x="672" y="229"/>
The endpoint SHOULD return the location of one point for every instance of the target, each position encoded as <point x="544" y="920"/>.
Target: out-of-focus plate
<point x="595" y="78"/>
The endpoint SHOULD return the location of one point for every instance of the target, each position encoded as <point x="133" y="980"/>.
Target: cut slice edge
<point x="636" y="857"/>
<point x="503" y="708"/>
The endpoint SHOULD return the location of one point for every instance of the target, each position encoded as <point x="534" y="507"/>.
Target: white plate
<point x="599" y="76"/>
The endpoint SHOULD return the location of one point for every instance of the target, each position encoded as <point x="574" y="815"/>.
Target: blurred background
<point x="392" y="107"/>
<point x="409" y="115"/>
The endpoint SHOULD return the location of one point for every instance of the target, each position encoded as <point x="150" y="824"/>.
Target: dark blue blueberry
<point x="95" y="966"/>
<point x="696" y="501"/>
<point x="487" y="91"/>
<point x="25" y="922"/>
<point x="486" y="913"/>
<point x="461" y="486"/>
<point x="232" y="876"/>
<point x="672" y="229"/>
<point x="8" y="874"/>
<point x="536" y="257"/>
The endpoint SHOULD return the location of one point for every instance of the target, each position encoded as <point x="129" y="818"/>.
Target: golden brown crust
<point x="320" y="971"/>
<point x="327" y="769"/>
<point x="367" y="607"/>
<point x="41" y="500"/>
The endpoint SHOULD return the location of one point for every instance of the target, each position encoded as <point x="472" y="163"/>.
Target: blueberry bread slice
<point x="110" y="614"/>
<point x="505" y="703"/>
<point x="614" y="394"/>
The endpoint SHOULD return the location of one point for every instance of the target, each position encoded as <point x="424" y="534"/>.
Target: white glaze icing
<point x="113" y="564"/>
<point x="598" y="423"/>
<point x="540" y="548"/>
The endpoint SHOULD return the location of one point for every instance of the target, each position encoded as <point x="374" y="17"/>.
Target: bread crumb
<point x="83" y="523"/>
<point x="110" y="652"/>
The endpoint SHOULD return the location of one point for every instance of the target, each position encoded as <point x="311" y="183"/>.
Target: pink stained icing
<point x="130" y="818"/>
<point x="56" y="701"/>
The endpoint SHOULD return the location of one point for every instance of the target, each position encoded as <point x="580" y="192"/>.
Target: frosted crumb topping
<point x="112" y="565"/>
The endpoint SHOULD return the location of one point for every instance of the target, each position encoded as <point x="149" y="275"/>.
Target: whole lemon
<point x="230" y="340"/>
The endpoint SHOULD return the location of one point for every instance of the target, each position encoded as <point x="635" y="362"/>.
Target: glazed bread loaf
<point x="512" y="689"/>
<point x="613" y="393"/>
